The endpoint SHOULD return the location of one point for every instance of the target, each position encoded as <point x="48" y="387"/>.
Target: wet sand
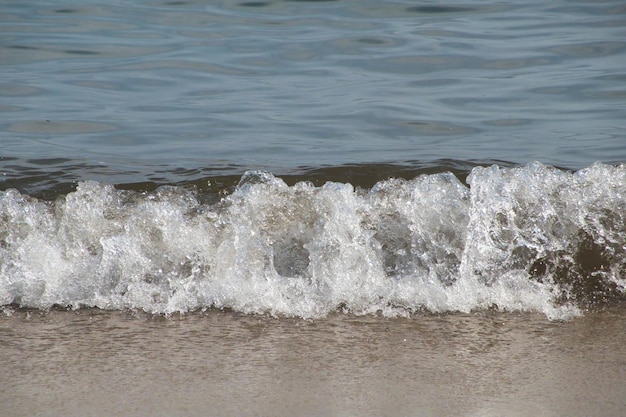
<point x="96" y="363"/>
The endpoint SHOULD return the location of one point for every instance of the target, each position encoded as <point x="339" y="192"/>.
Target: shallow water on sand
<point x="92" y="362"/>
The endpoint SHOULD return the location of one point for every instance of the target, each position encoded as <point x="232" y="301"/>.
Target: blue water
<point x="119" y="91"/>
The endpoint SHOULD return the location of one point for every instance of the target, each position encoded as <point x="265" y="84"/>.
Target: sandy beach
<point x="99" y="363"/>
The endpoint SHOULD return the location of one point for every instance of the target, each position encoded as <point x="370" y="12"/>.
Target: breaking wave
<point x="530" y="238"/>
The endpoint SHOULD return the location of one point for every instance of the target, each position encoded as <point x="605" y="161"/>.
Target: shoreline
<point x="94" y="362"/>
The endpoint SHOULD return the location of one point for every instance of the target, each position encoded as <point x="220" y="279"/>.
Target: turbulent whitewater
<point x="529" y="238"/>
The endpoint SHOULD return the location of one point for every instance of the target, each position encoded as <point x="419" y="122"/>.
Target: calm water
<point x="167" y="90"/>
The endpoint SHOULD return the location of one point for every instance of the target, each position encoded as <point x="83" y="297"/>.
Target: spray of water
<point x="530" y="238"/>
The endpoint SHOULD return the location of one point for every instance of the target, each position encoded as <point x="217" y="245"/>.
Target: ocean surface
<point x="345" y="163"/>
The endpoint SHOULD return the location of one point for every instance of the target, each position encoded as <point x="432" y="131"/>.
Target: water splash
<point x="527" y="238"/>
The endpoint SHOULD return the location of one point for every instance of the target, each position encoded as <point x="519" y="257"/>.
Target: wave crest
<point x="525" y="238"/>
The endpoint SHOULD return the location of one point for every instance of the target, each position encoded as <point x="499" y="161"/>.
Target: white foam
<point x="430" y="243"/>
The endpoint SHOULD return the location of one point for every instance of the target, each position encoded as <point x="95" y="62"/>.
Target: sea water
<point x="405" y="133"/>
<point x="150" y="90"/>
<point x="397" y="166"/>
<point x="531" y="238"/>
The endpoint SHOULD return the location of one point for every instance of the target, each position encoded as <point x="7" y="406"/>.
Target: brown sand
<point x="95" y="363"/>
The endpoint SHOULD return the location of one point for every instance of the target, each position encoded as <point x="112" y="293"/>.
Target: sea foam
<point x="531" y="238"/>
